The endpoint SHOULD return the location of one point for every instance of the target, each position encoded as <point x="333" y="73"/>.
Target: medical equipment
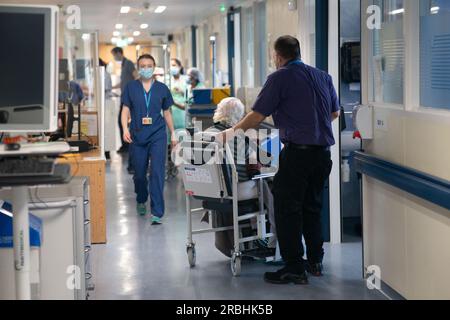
<point x="32" y="107"/>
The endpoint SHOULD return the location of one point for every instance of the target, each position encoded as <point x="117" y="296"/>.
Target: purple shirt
<point x="301" y="100"/>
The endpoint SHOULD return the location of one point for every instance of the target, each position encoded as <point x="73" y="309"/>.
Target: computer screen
<point x="27" y="68"/>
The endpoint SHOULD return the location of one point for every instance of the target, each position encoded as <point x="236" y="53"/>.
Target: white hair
<point x="196" y="74"/>
<point x="229" y="111"/>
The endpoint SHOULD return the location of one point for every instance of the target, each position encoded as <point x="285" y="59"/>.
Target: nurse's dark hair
<point x="178" y="62"/>
<point x="288" y="47"/>
<point x="146" y="56"/>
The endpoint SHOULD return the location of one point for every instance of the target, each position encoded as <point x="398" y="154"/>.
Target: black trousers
<point x="298" y="201"/>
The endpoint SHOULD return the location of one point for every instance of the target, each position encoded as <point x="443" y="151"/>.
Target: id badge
<point x="147" y="121"/>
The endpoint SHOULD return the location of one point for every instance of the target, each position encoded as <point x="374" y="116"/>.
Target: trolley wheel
<point x="236" y="260"/>
<point x="192" y="256"/>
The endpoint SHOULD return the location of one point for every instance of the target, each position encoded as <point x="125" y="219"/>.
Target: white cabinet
<point x="65" y="262"/>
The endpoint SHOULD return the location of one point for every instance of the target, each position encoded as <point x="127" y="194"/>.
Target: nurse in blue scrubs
<point x="147" y="103"/>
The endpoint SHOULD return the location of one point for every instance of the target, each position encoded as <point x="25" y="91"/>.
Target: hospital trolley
<point x="207" y="178"/>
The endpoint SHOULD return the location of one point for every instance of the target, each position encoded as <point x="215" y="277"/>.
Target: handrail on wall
<point x="422" y="185"/>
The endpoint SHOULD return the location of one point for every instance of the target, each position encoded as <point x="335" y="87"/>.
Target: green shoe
<point x="141" y="209"/>
<point x="156" y="220"/>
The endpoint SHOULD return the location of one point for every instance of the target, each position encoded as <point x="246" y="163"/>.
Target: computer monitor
<point x="28" y="68"/>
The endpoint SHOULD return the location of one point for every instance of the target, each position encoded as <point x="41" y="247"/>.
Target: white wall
<point x="407" y="237"/>
<point x="280" y="22"/>
<point x="307" y="30"/>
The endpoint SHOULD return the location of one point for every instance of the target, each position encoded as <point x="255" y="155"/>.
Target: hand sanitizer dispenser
<point x="363" y="121"/>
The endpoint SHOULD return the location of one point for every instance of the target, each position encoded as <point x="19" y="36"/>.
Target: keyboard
<point x="16" y="167"/>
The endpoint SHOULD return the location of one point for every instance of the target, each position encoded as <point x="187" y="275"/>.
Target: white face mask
<point x="174" y="71"/>
<point x="146" y="73"/>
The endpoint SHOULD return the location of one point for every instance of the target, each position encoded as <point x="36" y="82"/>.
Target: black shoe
<point x="314" y="269"/>
<point x="285" y="276"/>
<point x="130" y="170"/>
<point x="108" y="155"/>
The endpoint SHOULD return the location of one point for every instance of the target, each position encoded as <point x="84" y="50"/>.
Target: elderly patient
<point x="228" y="113"/>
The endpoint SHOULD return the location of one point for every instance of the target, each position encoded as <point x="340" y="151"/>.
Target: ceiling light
<point x="116" y="33"/>
<point x="130" y="39"/>
<point x="292" y="5"/>
<point x="122" y="43"/>
<point x="136" y="33"/>
<point x="160" y="9"/>
<point x="144" y="26"/>
<point x="435" y="10"/>
<point x="119" y="26"/>
<point x="125" y="9"/>
<point x="398" y="11"/>
<point x="114" y="40"/>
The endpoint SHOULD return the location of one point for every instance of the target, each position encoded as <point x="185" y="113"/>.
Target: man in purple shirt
<point x="303" y="103"/>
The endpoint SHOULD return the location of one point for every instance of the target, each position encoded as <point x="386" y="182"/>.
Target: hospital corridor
<point x="225" y="158"/>
<point x="139" y="259"/>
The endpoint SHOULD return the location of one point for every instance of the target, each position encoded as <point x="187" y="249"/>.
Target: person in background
<point x="178" y="89"/>
<point x="108" y="80"/>
<point x="69" y="98"/>
<point x="160" y="74"/>
<point x="74" y="95"/>
<point x="147" y="103"/>
<point x="304" y="103"/>
<point x="128" y="73"/>
<point x="194" y="81"/>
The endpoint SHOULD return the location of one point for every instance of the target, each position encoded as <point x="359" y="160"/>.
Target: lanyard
<point x="148" y="98"/>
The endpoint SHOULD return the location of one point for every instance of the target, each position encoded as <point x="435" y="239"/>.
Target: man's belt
<point x="306" y="146"/>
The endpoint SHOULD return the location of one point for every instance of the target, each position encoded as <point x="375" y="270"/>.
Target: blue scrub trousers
<point x="155" y="151"/>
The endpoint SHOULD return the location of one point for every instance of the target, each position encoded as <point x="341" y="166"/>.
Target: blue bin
<point x="272" y="145"/>
<point x="6" y="227"/>
<point x="202" y="96"/>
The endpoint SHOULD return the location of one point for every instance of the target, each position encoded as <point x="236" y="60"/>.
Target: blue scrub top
<point x="160" y="100"/>
<point x="76" y="94"/>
